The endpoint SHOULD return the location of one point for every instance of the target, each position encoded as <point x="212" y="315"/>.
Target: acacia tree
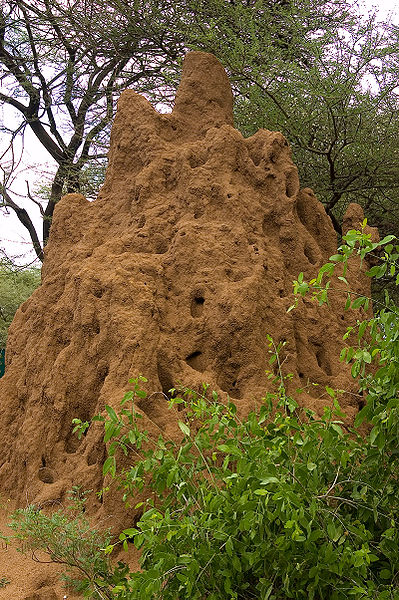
<point x="329" y="84"/>
<point x="66" y="61"/>
<point x="16" y="285"/>
<point x="340" y="113"/>
<point x="63" y="65"/>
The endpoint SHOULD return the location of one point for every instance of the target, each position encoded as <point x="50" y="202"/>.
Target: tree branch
<point x="24" y="219"/>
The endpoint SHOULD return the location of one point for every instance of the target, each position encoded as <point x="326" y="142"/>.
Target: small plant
<point x="66" y="538"/>
<point x="4" y="581"/>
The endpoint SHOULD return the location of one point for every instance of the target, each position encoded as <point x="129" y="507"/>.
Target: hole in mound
<point x="198" y="212"/>
<point x="196" y="161"/>
<point x="310" y="254"/>
<point x="322" y="360"/>
<point x="228" y="381"/>
<point x="141" y="222"/>
<point x="164" y="379"/>
<point x="291" y="184"/>
<point x="102" y="372"/>
<point x="72" y="443"/>
<point x="232" y="390"/>
<point x="300" y="375"/>
<point x="98" y="292"/>
<point x="45" y="475"/>
<point x="96" y="455"/>
<point x="256" y="154"/>
<point x="161" y="245"/>
<point x="196" y="361"/>
<point x="197" y="306"/>
<point x="282" y="293"/>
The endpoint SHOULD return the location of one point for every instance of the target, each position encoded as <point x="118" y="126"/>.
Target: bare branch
<point x="24" y="219"/>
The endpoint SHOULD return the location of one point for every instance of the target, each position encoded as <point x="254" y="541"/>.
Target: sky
<point x="13" y="236"/>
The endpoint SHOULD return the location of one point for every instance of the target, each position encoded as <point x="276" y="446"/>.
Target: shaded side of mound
<point x="177" y="271"/>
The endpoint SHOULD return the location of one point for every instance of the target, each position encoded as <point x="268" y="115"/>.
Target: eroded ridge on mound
<point x="177" y="271"/>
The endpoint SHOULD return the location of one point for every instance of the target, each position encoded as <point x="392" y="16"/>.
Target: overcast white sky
<point x="14" y="237"/>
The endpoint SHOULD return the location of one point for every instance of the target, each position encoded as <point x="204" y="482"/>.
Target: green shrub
<point x="267" y="508"/>
<point x="16" y="285"/>
<point x="65" y="537"/>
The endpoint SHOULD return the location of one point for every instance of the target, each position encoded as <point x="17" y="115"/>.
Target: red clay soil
<point x="177" y="271"/>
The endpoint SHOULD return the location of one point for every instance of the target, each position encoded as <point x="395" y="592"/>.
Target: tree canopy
<point x="314" y="70"/>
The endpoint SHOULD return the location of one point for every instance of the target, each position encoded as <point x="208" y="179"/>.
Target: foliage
<point x="335" y="99"/>
<point x="4" y="581"/>
<point x="265" y="507"/>
<point x="375" y="339"/>
<point x="16" y="285"/>
<point x="311" y="69"/>
<point x="67" y="538"/>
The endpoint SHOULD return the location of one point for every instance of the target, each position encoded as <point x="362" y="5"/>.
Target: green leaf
<point x="131" y="436"/>
<point x="130" y="532"/>
<point x="267" y="480"/>
<point x="355" y="370"/>
<point x="229" y="546"/>
<point x="109" y="466"/>
<point x="374" y="271"/>
<point x="337" y="428"/>
<point x="112" y="414"/>
<point x="337" y="258"/>
<point x="358" y="302"/>
<point x="386" y="239"/>
<point x="184" y="428"/>
<point x="331" y="530"/>
<point x="109" y="429"/>
<point x="366" y="357"/>
<point x="229" y="449"/>
<point x="303" y="289"/>
<point x="373" y="435"/>
<point x="362" y="329"/>
<point x="385" y="574"/>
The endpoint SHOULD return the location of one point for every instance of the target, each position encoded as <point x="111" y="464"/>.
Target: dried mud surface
<point x="177" y="271"/>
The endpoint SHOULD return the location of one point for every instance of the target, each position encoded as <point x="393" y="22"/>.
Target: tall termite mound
<point x="177" y="271"/>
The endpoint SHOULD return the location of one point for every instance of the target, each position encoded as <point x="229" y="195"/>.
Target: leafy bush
<point x="266" y="507"/>
<point x="65" y="537"/>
